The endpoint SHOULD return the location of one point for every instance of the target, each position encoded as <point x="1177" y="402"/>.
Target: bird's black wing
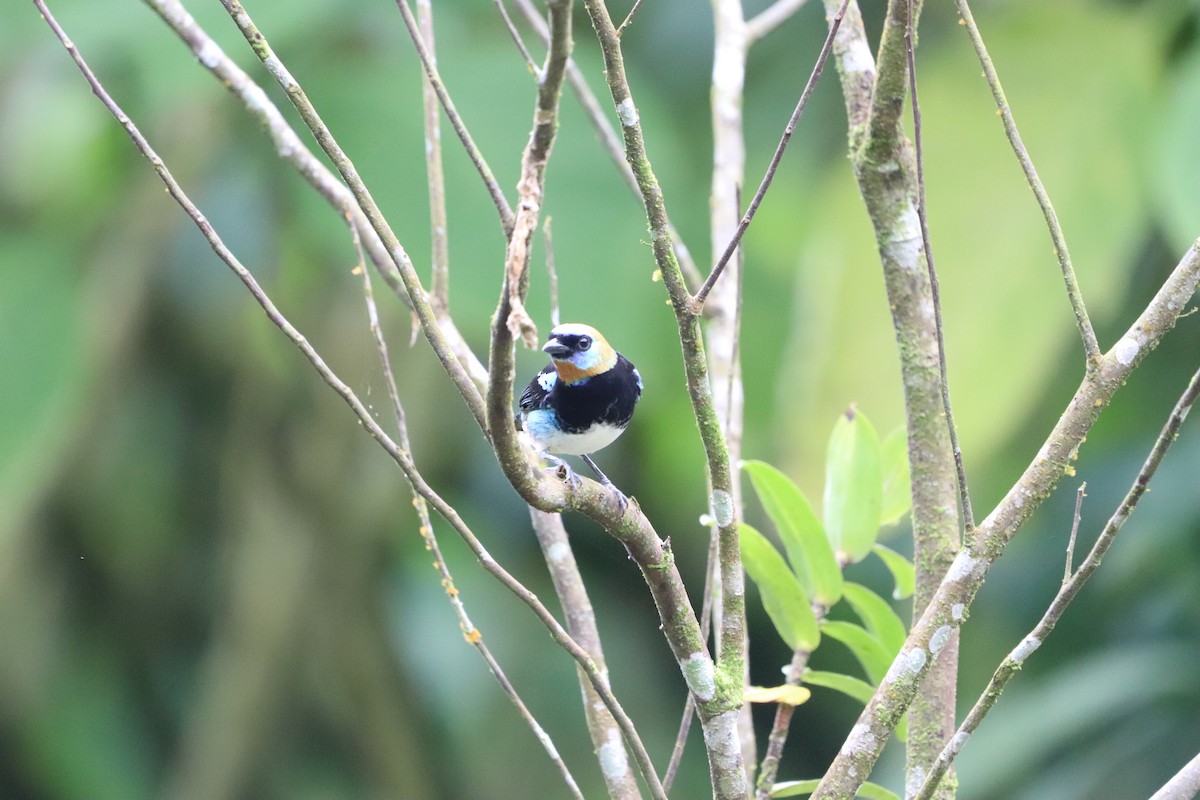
<point x="539" y="389"/>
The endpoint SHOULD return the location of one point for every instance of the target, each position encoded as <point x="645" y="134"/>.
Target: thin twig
<point x="719" y="267"/>
<point x="412" y="283"/>
<point x="518" y="41"/>
<point x="779" y="729"/>
<point x="629" y="17"/>
<point x="609" y="137"/>
<point x="1066" y="594"/>
<point x="555" y="315"/>
<point x="472" y="634"/>
<point x="771" y="18"/>
<point x="1090" y="345"/>
<point x="440" y="285"/>
<point x="1080" y="493"/>
<point x="456" y="120"/>
<point x="399" y="455"/>
<point x="964" y="494"/>
<point x="294" y="152"/>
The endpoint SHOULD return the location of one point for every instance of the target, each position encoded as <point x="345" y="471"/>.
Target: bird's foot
<point x="622" y="500"/>
<point x="562" y="469"/>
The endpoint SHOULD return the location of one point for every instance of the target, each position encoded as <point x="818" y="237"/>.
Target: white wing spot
<point x="546" y="380"/>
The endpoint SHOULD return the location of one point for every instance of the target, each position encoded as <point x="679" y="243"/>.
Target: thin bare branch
<point x="412" y="283"/>
<point x="771" y="18"/>
<point x="534" y="69"/>
<point x="1080" y="493"/>
<point x="292" y="151"/>
<point x="608" y="136"/>
<point x="629" y="17"/>
<point x="456" y="120"/>
<point x="697" y="303"/>
<point x="472" y="634"/>
<point x="552" y="274"/>
<point x="440" y="285"/>
<point x="1067" y="593"/>
<point x="964" y="494"/>
<point x="779" y="730"/>
<point x="1090" y="345"/>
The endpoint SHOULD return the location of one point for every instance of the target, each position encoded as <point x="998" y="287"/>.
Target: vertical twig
<point x="834" y="23"/>
<point x="1090" y="345"/>
<point x="779" y="729"/>
<point x="456" y="120"/>
<point x="1066" y="594"/>
<point x="1080" y="493"/>
<point x="964" y="494"/>
<point x="608" y="136"/>
<point x="440" y="285"/>
<point x="552" y="274"/>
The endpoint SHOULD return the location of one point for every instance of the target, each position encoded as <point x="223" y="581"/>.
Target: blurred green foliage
<point x="210" y="582"/>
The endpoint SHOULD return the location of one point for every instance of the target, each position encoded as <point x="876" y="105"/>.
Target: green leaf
<point x="794" y="788"/>
<point x="868" y="791"/>
<point x="878" y="617"/>
<point x="902" y="571"/>
<point x="893" y="465"/>
<point x="782" y="595"/>
<point x="848" y="685"/>
<point x="853" y="487"/>
<point x="803" y="537"/>
<point x="866" y="648"/>
<point x="852" y="687"/>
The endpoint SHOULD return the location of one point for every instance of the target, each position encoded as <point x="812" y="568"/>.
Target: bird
<point x="582" y="401"/>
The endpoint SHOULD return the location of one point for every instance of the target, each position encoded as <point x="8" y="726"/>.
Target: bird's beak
<point x="556" y="349"/>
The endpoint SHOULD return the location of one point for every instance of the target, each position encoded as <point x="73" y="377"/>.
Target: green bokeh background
<point x="210" y="580"/>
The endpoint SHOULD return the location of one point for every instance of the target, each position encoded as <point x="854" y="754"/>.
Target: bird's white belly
<point x="551" y="440"/>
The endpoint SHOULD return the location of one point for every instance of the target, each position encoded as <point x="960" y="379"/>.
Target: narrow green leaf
<point x="848" y="685"/>
<point x="782" y="595"/>
<point x="794" y="788"/>
<point x="865" y="647"/>
<point x="853" y="487"/>
<point x="893" y="464"/>
<point x="902" y="571"/>
<point x="878" y="617"/>
<point x="800" y="531"/>
<point x="868" y="791"/>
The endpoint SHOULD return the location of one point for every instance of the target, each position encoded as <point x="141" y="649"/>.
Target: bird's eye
<point x="584" y="342"/>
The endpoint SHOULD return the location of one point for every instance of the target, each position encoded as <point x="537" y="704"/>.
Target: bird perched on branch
<point x="582" y="400"/>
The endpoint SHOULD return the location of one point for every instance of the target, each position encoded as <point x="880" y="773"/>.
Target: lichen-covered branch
<point x="950" y="604"/>
<point x="886" y="170"/>
<point x="1184" y="785"/>
<point x="1066" y="594"/>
